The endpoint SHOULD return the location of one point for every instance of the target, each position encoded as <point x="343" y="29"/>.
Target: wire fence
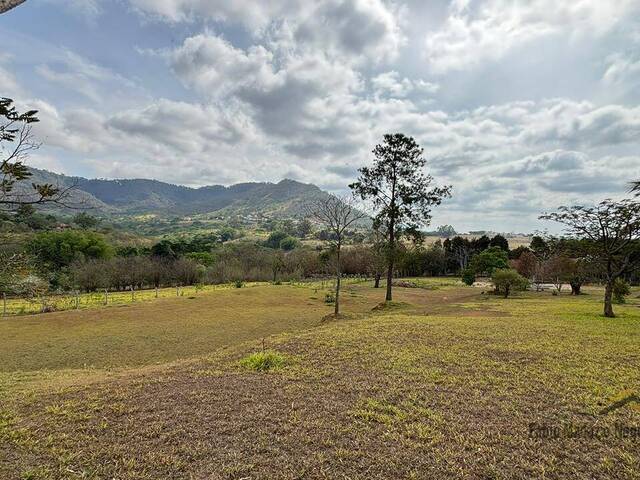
<point x="54" y="302"/>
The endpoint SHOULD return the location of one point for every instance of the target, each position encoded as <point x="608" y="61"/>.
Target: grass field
<point x="445" y="382"/>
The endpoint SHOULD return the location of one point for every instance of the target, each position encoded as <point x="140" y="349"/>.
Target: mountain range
<point x="142" y="196"/>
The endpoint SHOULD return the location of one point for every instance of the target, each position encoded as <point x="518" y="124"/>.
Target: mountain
<point x="140" y="196"/>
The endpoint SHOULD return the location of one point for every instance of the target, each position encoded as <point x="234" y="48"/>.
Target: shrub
<point x="620" y="290"/>
<point x="507" y="280"/>
<point x="468" y="276"/>
<point x="263" y="361"/>
<point x="330" y="298"/>
<point x="238" y="283"/>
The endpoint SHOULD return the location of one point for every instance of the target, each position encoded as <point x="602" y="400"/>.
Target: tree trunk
<point x="377" y="280"/>
<point x="336" y="309"/>
<point x="389" y="281"/>
<point x="392" y="254"/>
<point x="575" y="288"/>
<point x="6" y="5"/>
<point x="506" y="291"/>
<point x="608" y="304"/>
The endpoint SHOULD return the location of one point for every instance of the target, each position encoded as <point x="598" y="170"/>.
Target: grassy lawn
<point x="446" y="382"/>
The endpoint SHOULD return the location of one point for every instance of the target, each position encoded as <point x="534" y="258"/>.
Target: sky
<point x="521" y="106"/>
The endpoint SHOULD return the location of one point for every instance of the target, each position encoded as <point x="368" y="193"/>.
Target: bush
<point x="507" y="280"/>
<point x="468" y="276"/>
<point x="238" y="283"/>
<point x="263" y="361"/>
<point x="330" y="298"/>
<point x="620" y="290"/>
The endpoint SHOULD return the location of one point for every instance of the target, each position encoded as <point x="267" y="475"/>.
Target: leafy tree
<point x="55" y="250"/>
<point x="304" y="228"/>
<point x="613" y="233"/>
<point x="508" y="280"/>
<point x="516" y="252"/>
<point x="481" y="243"/>
<point x="274" y="239"/>
<point x="288" y="243"/>
<point x="337" y="215"/>
<point x="164" y="249"/>
<point x="446" y="231"/>
<point x="491" y="259"/>
<point x="400" y="192"/>
<point x="500" y="242"/>
<point x="6" y="5"/>
<point x="85" y="221"/>
<point x="539" y="247"/>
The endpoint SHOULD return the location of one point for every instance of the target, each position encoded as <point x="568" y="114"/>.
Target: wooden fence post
<point x="4" y="304"/>
<point x="133" y="294"/>
<point x="77" y="300"/>
<point x="156" y="291"/>
<point x="106" y="296"/>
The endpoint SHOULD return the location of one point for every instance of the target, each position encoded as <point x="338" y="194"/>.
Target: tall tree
<point x="612" y="233"/>
<point x="16" y="142"/>
<point x="635" y="187"/>
<point x="400" y="192"/>
<point x="337" y="215"/>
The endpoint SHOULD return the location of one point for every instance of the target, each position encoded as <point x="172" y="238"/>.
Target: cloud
<point x="67" y="70"/>
<point x="486" y="31"/>
<point x="390" y="84"/>
<point x="365" y="29"/>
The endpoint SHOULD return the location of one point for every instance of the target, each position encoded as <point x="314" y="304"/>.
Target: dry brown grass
<point x="442" y="384"/>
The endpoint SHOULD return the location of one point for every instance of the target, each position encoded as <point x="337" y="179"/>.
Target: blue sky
<point x="520" y="105"/>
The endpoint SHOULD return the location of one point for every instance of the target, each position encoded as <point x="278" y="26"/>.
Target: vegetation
<point x="400" y="192"/>
<point x="508" y="280"/>
<point x="337" y="215"/>
<point x="611" y="231"/>
<point x="449" y="383"/>
<point x="263" y="361"/>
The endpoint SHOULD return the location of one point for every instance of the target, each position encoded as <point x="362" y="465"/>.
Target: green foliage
<point x="330" y="298"/>
<point x="620" y="290"/>
<point x="275" y="238"/>
<point x="263" y="361"/>
<point x="500" y="242"/>
<point x="238" y="283"/>
<point x="289" y="243"/>
<point x="468" y="276"/>
<point x="55" y="250"/>
<point x="488" y="261"/>
<point x="508" y="280"/>
<point x="85" y="221"/>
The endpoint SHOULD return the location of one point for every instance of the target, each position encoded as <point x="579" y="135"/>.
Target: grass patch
<point x="263" y="361"/>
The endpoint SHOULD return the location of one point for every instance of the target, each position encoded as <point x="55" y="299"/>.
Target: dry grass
<point x="443" y="385"/>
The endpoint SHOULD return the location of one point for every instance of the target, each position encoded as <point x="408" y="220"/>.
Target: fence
<point x="12" y="306"/>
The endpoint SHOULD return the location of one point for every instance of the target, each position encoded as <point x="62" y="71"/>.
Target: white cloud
<point x="475" y="32"/>
<point x="390" y="84"/>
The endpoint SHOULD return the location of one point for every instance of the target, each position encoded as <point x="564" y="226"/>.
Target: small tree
<point x="612" y="233"/>
<point x="400" y="192"/>
<point x="337" y="215"/>
<point x="507" y="280"/>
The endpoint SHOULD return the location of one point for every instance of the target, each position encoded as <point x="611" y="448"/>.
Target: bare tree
<point x="6" y="5"/>
<point x="16" y="143"/>
<point x="611" y="231"/>
<point x="337" y="214"/>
